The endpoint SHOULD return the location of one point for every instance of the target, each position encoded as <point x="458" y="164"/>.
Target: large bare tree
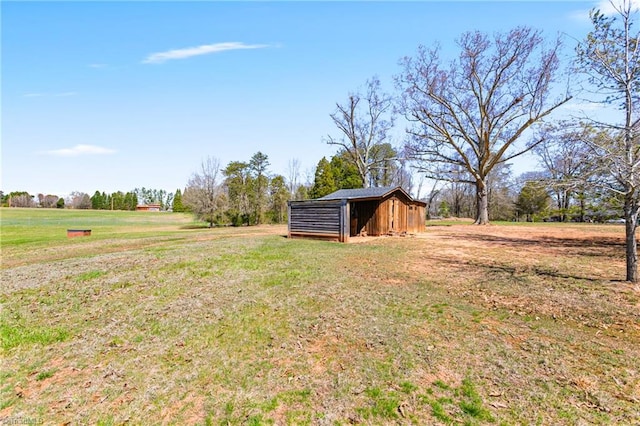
<point x="364" y="122"/>
<point x="610" y="57"/>
<point x="473" y="112"/>
<point x="204" y="194"/>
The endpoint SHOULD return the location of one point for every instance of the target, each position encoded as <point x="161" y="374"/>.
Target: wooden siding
<point x="417" y="218"/>
<point x="395" y="214"/>
<point x="319" y="219"/>
<point x="342" y="218"/>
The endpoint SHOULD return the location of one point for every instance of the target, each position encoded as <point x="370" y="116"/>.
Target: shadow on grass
<point x="514" y="271"/>
<point x="195" y="227"/>
<point x="592" y="246"/>
<point x="604" y="247"/>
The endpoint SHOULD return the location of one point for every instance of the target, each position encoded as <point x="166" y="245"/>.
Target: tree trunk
<point x="631" y="223"/>
<point x="482" y="198"/>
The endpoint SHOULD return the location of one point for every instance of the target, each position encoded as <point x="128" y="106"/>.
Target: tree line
<point x="466" y="118"/>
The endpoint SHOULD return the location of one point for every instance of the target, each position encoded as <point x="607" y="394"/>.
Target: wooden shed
<point x="351" y="212"/>
<point x="148" y="208"/>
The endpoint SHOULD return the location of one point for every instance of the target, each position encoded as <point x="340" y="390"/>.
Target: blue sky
<point x="116" y="95"/>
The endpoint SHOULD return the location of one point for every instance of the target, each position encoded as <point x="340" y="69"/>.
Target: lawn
<point x="154" y="319"/>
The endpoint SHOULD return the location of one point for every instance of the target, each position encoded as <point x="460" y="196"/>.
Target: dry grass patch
<point x="472" y="325"/>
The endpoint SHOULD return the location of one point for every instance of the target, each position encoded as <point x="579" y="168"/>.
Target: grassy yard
<point x="154" y="319"/>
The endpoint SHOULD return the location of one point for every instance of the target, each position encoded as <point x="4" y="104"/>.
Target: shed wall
<point x="393" y="214"/>
<point x="318" y="219"/>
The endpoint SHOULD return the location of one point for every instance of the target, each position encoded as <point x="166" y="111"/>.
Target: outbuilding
<point x="148" y="208"/>
<point x="352" y="212"/>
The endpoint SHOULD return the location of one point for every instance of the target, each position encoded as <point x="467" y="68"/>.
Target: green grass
<point x="13" y="334"/>
<point x="149" y="320"/>
<point x="44" y="375"/>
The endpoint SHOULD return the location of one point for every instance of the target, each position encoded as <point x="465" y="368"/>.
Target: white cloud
<point x="583" y="106"/>
<point x="608" y="8"/>
<point x="206" y="49"/>
<point x="79" y="150"/>
<point x="41" y="95"/>
<point x="97" y="65"/>
<point x="605" y="7"/>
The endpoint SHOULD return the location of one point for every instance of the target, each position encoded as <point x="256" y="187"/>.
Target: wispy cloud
<point x="79" y="150"/>
<point x="42" y="95"/>
<point x="206" y="49"/>
<point x="583" y="106"/>
<point x="606" y="7"/>
<point x="97" y="65"/>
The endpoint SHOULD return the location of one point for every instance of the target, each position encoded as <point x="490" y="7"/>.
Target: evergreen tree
<point x="345" y="173"/>
<point x="532" y="200"/>
<point x="177" y="206"/>
<point x="325" y="181"/>
<point x="117" y="198"/>
<point x="97" y="202"/>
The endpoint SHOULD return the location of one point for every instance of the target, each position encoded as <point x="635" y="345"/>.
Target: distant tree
<point x="293" y="172"/>
<point x="237" y="182"/>
<point x="21" y="199"/>
<point x="117" y="200"/>
<point x="151" y="196"/>
<point x="168" y="201"/>
<point x="470" y="114"/>
<point x="443" y="209"/>
<point x="502" y="193"/>
<point x="259" y="186"/>
<point x="177" y="205"/>
<point x="204" y="194"/>
<point x="532" y="200"/>
<point x="79" y="200"/>
<point x="60" y="203"/>
<point x="130" y="201"/>
<point x="565" y="159"/>
<point x="302" y="193"/>
<point x="279" y="195"/>
<point x="364" y="122"/>
<point x="49" y="201"/>
<point x="610" y="59"/>
<point x="325" y="181"/>
<point x="97" y="201"/>
<point x="432" y="197"/>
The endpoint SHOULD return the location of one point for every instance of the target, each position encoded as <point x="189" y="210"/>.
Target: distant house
<point x="148" y="208"/>
<point x="351" y="212"/>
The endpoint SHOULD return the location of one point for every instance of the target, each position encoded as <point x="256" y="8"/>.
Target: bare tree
<point x="79" y="200"/>
<point x="49" y="201"/>
<point x="293" y="172"/>
<point x="21" y="199"/>
<point x="473" y="113"/>
<point x="610" y="57"/>
<point x="565" y="160"/>
<point x="364" y="121"/>
<point x="204" y="195"/>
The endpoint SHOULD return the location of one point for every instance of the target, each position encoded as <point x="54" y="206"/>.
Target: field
<point x="156" y="320"/>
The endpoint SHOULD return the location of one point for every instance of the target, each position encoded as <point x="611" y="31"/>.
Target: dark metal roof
<point x="363" y="193"/>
